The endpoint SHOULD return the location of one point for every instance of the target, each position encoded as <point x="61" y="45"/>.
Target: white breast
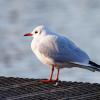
<point x="41" y="57"/>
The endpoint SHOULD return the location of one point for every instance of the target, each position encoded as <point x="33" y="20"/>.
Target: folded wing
<point x="62" y="50"/>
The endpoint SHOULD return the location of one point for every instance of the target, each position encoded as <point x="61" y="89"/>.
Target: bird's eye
<point x="36" y="32"/>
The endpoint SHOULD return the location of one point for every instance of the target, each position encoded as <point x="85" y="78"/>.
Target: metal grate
<point x="32" y="89"/>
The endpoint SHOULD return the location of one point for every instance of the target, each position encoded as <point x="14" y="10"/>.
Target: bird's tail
<point x="95" y="66"/>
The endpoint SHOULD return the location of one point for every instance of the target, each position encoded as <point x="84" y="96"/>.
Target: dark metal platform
<point x="32" y="89"/>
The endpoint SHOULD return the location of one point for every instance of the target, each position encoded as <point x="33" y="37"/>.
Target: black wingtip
<point x="94" y="64"/>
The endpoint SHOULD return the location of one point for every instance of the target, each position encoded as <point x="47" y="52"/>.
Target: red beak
<point x="28" y="34"/>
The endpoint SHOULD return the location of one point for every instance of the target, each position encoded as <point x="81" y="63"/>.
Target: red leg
<point x="51" y="73"/>
<point x="57" y="77"/>
<point x="50" y="80"/>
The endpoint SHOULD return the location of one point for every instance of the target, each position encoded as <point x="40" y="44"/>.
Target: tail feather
<point x="94" y="65"/>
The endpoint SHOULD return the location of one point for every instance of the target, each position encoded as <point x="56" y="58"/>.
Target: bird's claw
<point x="49" y="81"/>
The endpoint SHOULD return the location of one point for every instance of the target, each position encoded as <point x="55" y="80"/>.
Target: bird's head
<point x="39" y="30"/>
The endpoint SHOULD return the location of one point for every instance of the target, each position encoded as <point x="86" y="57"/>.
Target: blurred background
<point x="77" y="19"/>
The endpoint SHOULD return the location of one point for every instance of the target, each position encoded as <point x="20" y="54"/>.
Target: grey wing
<point x="60" y="49"/>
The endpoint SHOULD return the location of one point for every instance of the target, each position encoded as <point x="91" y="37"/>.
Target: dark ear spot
<point x="40" y="31"/>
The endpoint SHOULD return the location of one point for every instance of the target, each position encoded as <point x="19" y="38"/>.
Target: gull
<point x="58" y="52"/>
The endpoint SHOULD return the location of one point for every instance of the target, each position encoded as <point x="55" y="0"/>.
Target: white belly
<point x="43" y="59"/>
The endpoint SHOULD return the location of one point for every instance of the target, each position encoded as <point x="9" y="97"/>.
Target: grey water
<point x="79" y="20"/>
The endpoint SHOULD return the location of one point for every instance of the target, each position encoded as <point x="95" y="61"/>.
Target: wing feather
<point x="61" y="49"/>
